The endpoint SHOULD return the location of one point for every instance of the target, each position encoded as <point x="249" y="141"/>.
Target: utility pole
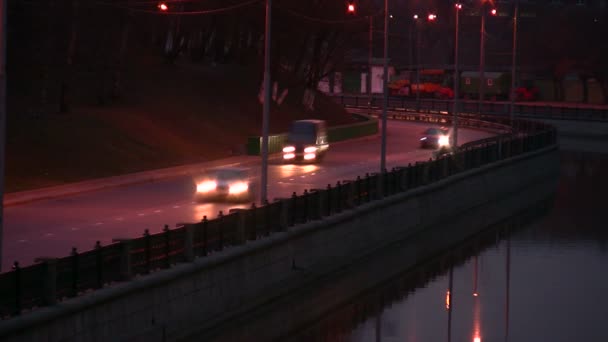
<point x="369" y="67"/>
<point x="513" y="63"/>
<point x="266" y="105"/>
<point x="418" y="44"/>
<point x="385" y="95"/>
<point x="456" y="80"/>
<point x="482" y="58"/>
<point x="3" y="27"/>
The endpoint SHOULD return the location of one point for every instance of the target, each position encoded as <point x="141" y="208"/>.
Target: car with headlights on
<point x="231" y="184"/>
<point x="435" y="137"/>
<point x="306" y="142"/>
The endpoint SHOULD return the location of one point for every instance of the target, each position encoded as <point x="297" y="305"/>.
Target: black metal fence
<point x="498" y="108"/>
<point x="53" y="280"/>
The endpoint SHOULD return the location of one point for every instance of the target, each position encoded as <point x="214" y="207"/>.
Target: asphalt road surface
<point x="50" y="228"/>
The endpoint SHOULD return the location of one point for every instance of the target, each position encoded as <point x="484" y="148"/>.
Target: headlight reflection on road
<point x="211" y="210"/>
<point x="289" y="170"/>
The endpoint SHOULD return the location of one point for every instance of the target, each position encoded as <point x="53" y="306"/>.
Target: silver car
<point x="225" y="184"/>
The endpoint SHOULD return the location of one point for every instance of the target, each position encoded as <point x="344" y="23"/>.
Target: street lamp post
<point x="3" y="9"/>
<point x="417" y="63"/>
<point x="385" y="94"/>
<point x="266" y="105"/>
<point x="513" y="63"/>
<point x="456" y="80"/>
<point x="369" y="67"/>
<point x="482" y="60"/>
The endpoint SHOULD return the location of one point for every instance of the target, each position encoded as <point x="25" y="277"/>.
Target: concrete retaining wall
<point x="204" y="294"/>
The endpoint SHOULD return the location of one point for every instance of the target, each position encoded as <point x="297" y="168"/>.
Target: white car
<point x="435" y="137"/>
<point x="225" y="184"/>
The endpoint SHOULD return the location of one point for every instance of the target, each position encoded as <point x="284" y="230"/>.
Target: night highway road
<point x="50" y="228"/>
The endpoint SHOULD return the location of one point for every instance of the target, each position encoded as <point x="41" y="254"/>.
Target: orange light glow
<point x="163" y="6"/>
<point x="447" y="300"/>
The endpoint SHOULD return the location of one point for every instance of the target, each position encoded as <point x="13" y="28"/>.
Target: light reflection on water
<point x="546" y="282"/>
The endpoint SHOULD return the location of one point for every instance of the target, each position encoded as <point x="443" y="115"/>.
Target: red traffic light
<point x="163" y="6"/>
<point x="493" y="11"/>
<point x="432" y="17"/>
<point x="351" y="8"/>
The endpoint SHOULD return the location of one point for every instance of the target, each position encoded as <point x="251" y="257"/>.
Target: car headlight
<point x="311" y="149"/>
<point x="444" y="140"/>
<point x="206" y="186"/>
<point x="238" y="188"/>
<point x="288" y="149"/>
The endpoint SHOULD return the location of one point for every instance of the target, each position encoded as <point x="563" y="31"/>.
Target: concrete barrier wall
<point x="200" y="296"/>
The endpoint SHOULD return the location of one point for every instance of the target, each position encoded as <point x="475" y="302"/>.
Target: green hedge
<point x="337" y="133"/>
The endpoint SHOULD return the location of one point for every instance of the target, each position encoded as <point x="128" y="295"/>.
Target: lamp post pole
<point x="266" y="105"/>
<point x="385" y="93"/>
<point x="482" y="59"/>
<point x="3" y="26"/>
<point x="456" y="80"/>
<point x="513" y="63"/>
<point x="417" y="65"/>
<point x="369" y="67"/>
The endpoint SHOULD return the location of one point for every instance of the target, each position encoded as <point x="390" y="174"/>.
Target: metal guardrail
<point x="532" y="110"/>
<point x="54" y="280"/>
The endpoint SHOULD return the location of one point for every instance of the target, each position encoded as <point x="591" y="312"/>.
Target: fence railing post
<point x="267" y="217"/>
<point x="294" y="209"/>
<point x="358" y="191"/>
<point x="49" y="281"/>
<point x="240" y="237"/>
<point x="338" y="196"/>
<point x="368" y="187"/>
<point x="189" y="242"/>
<point x="17" y="272"/>
<point x="167" y="244"/>
<point x="98" y="264"/>
<point x="220" y="218"/>
<point x="75" y="272"/>
<point x="328" y="197"/>
<point x="254" y="221"/>
<point x="316" y="204"/>
<point x="305" y="199"/>
<point x="284" y="219"/>
<point x="350" y="194"/>
<point x="148" y="250"/>
<point x="205" y="223"/>
<point x="125" y="258"/>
